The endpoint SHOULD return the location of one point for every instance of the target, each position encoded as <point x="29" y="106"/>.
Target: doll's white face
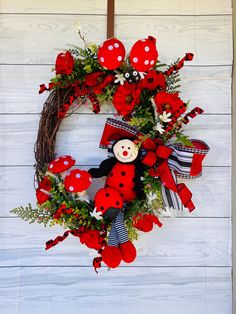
<point x="125" y="151"/>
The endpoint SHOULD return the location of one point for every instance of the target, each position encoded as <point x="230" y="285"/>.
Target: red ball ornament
<point x="143" y="54"/>
<point x="111" y="54"/>
<point x="106" y="198"/>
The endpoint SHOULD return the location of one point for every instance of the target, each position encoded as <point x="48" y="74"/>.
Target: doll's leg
<point x="127" y="249"/>
<point x="111" y="254"/>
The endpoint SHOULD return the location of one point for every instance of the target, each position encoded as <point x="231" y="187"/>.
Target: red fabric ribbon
<point x="79" y="233"/>
<point x="157" y="158"/>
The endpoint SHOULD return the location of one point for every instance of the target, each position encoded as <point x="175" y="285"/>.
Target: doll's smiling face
<point x="125" y="150"/>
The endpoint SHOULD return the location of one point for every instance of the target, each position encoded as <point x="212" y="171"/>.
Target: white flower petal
<point x="96" y="215"/>
<point x="159" y="128"/>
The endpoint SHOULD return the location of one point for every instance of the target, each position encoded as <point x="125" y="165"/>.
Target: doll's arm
<point x="104" y="168"/>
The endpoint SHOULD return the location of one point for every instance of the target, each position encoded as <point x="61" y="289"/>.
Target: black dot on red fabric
<point x="123" y="173"/>
<point x="117" y="203"/>
<point x="121" y="185"/>
<point x="121" y="194"/>
<point x="111" y="174"/>
<point x="102" y="208"/>
<point x="107" y="194"/>
<point x="106" y="185"/>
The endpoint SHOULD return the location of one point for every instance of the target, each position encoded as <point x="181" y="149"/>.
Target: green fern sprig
<point x="32" y="215"/>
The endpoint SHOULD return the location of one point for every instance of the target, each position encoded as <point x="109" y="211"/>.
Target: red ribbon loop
<point x="157" y="159"/>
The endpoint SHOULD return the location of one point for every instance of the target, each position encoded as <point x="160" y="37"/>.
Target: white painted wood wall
<point x="183" y="268"/>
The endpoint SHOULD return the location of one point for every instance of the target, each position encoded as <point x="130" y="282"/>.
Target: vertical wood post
<point x="234" y="161"/>
<point x="110" y="18"/>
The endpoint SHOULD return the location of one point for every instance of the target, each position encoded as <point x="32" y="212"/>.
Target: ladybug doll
<point x="123" y="184"/>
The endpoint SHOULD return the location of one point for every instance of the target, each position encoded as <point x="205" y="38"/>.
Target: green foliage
<point x="183" y="139"/>
<point x="30" y="214"/>
<point x="152" y="188"/>
<point x="107" y="94"/>
<point x="173" y="83"/>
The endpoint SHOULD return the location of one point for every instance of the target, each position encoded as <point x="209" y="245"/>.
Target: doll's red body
<point x="122" y="178"/>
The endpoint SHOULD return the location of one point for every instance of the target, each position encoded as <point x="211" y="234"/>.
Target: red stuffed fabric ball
<point x="145" y="222"/>
<point x="143" y="54"/>
<point x="111" y="54"/>
<point x="106" y="198"/>
<point x="141" y="223"/>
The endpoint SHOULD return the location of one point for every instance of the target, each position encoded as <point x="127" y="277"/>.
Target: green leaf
<point x="183" y="139"/>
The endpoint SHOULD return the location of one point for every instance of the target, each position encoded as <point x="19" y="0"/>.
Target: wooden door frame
<point x="234" y="161"/>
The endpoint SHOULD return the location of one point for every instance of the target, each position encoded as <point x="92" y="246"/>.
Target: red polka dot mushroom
<point x="61" y="164"/>
<point x="77" y="182"/>
<point x="143" y="54"/>
<point x="111" y="54"/>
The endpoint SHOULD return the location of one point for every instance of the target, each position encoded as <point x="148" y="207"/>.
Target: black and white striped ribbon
<point x="170" y="198"/>
<point x="180" y="161"/>
<point x="118" y="233"/>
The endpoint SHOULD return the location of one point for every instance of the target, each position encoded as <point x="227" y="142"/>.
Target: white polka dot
<point x="135" y="59"/>
<point x="146" y="62"/>
<point x="90" y="179"/>
<point x="78" y="175"/>
<point x="57" y="159"/>
<point x="102" y="59"/>
<point x="110" y="47"/>
<point x="116" y="45"/>
<point x="65" y="162"/>
<point x="119" y="58"/>
<point x="152" y="62"/>
<point x="71" y="188"/>
<point x="147" y="48"/>
<point x="51" y="166"/>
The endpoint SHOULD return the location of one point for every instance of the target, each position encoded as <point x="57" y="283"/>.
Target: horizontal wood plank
<point x="18" y="134"/>
<point x="169" y="7"/>
<point x="211" y="192"/>
<point x="180" y="242"/>
<point x="208" y="87"/>
<point x="137" y="290"/>
<point x="31" y="39"/>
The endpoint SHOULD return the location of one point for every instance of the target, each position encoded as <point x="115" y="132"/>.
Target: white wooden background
<point x="186" y="266"/>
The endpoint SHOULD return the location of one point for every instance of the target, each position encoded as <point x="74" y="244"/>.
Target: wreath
<point x="147" y="148"/>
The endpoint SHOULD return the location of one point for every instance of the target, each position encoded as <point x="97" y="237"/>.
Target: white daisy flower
<point x="165" y="117"/>
<point x="120" y="78"/>
<point x="159" y="128"/>
<point x="97" y="215"/>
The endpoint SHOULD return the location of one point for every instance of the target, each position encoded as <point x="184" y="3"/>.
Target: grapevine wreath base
<point x="147" y="150"/>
